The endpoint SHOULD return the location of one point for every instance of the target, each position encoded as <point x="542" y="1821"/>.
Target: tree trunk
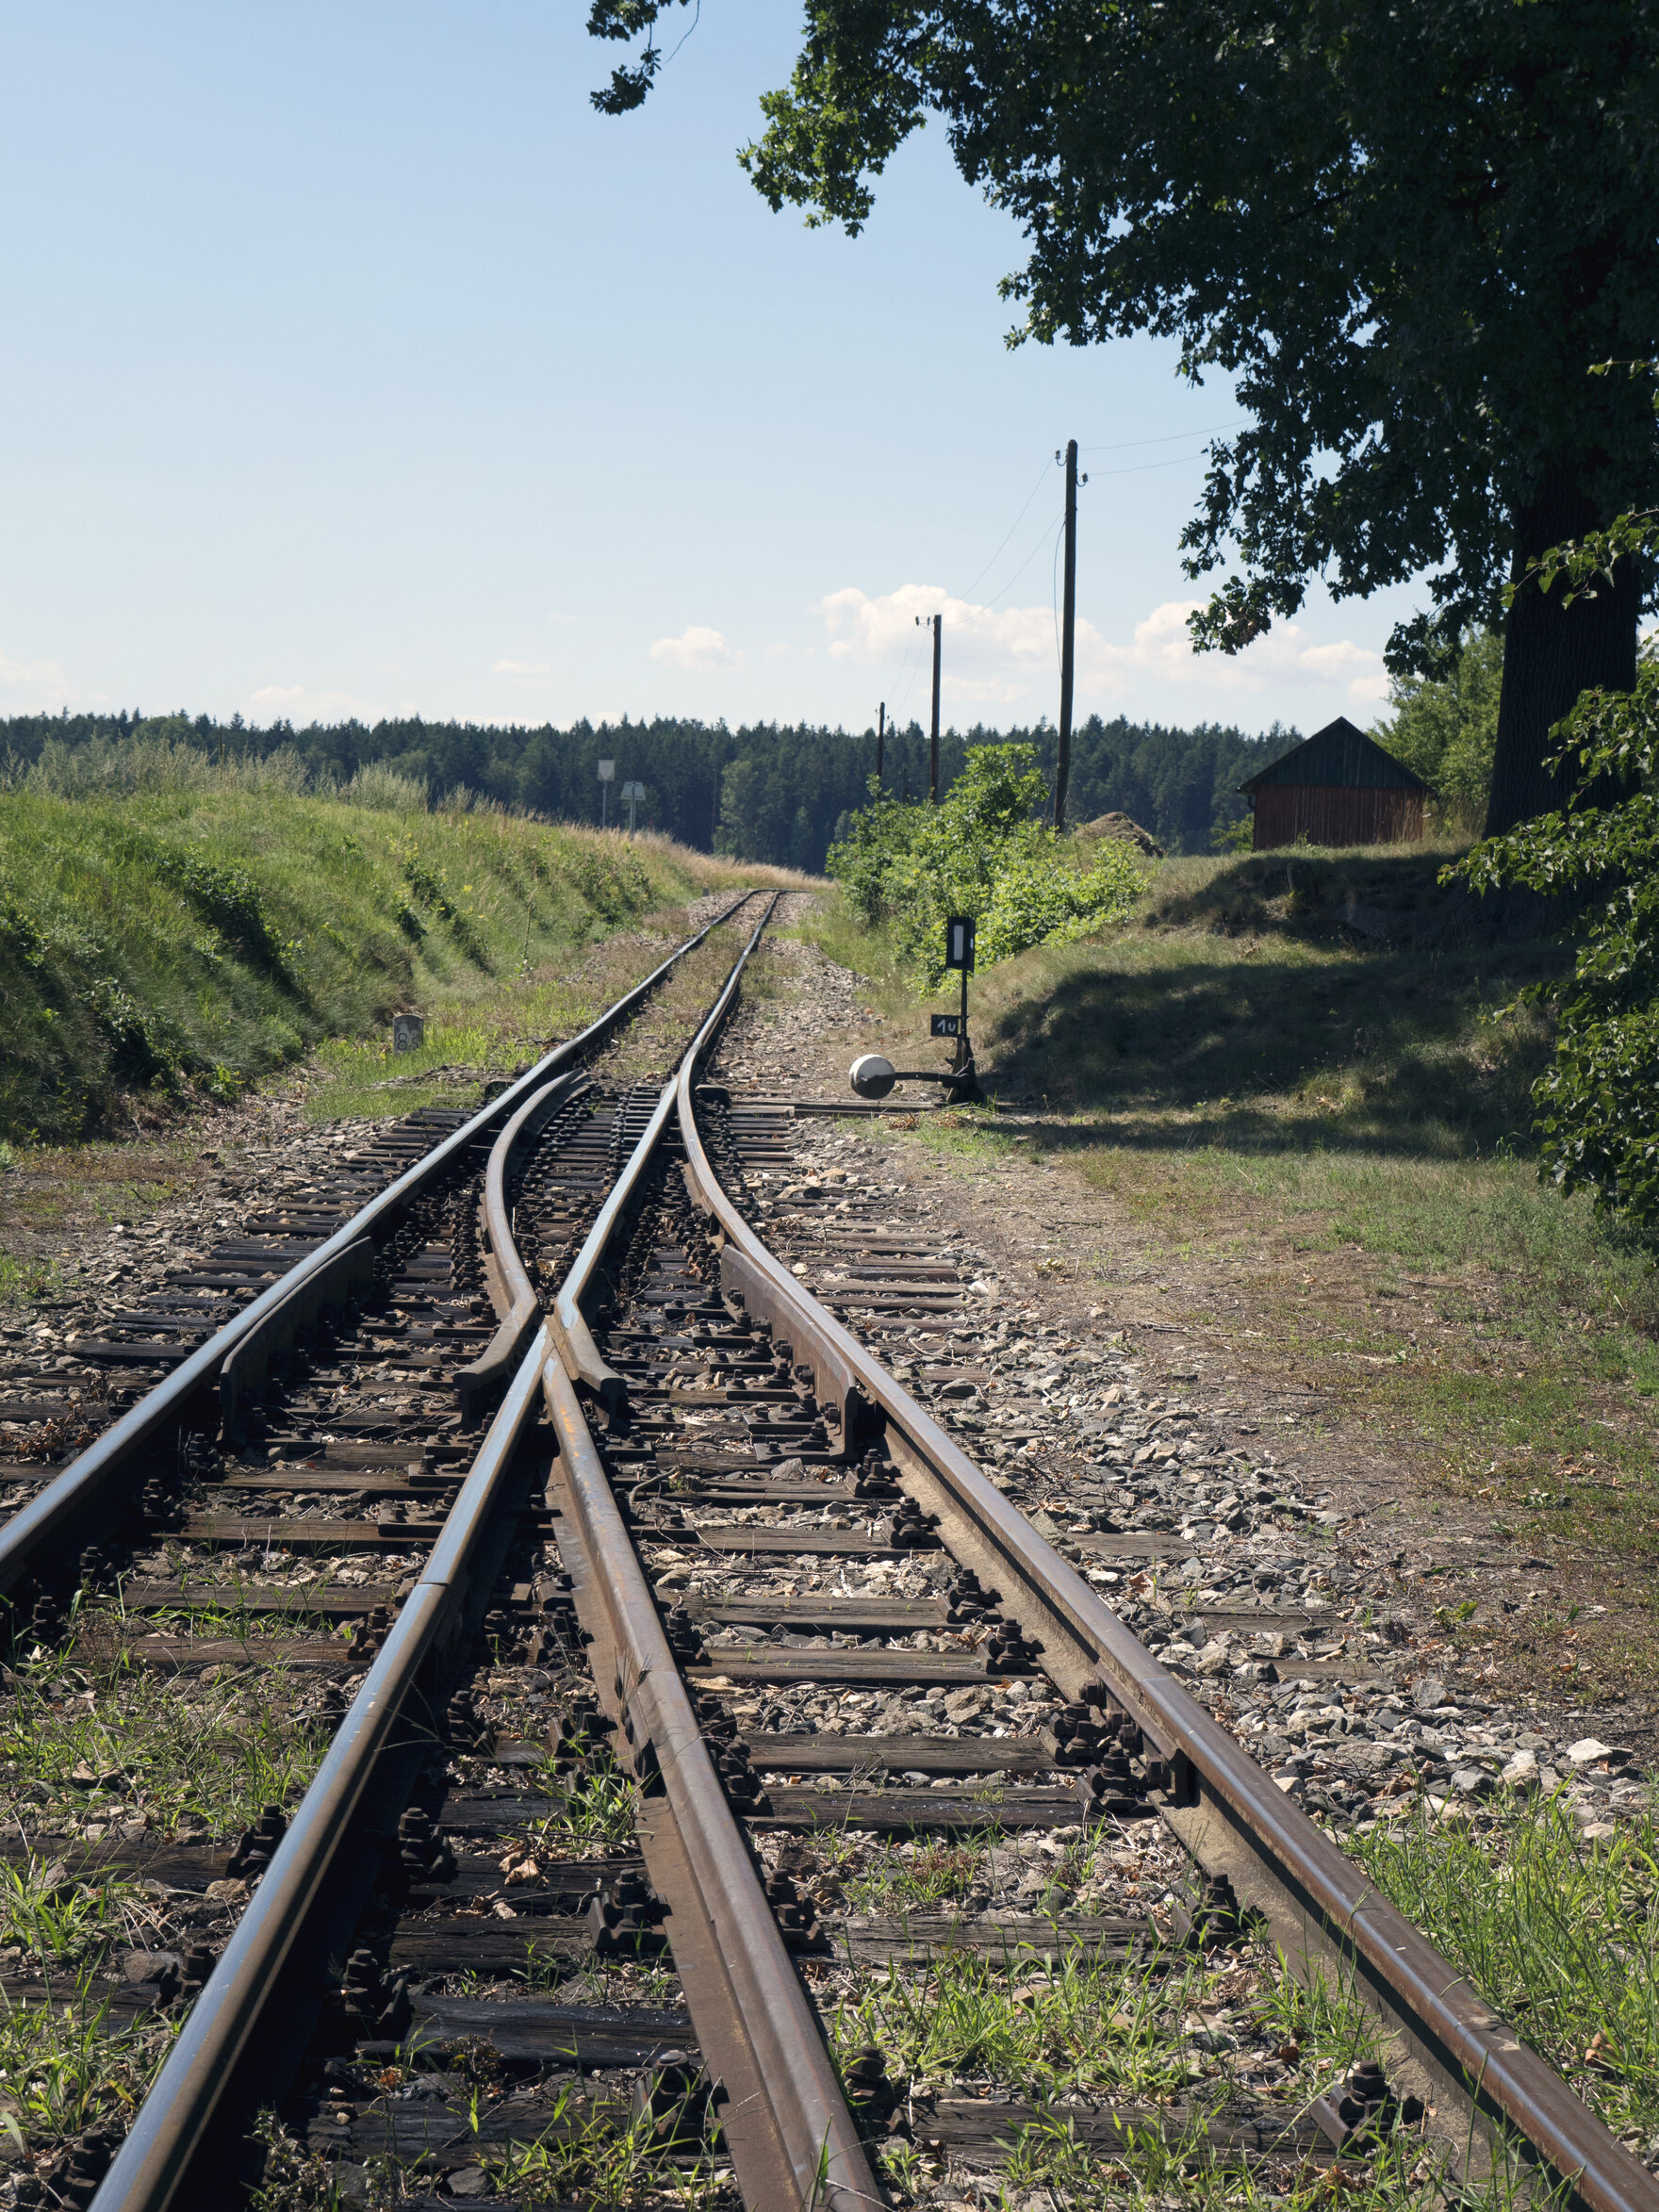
<point x="1552" y="652"/>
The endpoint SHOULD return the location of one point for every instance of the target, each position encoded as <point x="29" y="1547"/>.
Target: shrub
<point x="1599" y="1103"/>
<point x="980" y="852"/>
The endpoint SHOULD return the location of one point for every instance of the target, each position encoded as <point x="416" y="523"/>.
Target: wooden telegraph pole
<point x="933" y="741"/>
<point x="1068" y="659"/>
<point x="880" y="739"/>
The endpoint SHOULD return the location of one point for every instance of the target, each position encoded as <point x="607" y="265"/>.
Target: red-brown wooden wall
<point x="1336" y="813"/>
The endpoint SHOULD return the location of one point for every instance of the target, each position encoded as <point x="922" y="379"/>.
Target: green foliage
<point x="979" y="852"/>
<point x="1599" y="1102"/>
<point x="767" y="793"/>
<point x="1445" y="729"/>
<point x="1037" y="900"/>
<point x="1557" y="1934"/>
<point x="1259" y="182"/>
<point x="189" y="933"/>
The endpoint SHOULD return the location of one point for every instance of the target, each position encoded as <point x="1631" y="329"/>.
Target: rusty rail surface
<point x="1317" y="1903"/>
<point x="77" y="1505"/>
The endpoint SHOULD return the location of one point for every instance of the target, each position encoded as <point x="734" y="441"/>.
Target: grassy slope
<point x="175" y="941"/>
<point x="1337" y="1133"/>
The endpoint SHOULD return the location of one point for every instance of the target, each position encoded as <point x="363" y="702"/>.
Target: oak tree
<point x="1406" y="229"/>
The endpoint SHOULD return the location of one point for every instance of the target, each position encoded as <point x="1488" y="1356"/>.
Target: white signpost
<point x="607" y="775"/>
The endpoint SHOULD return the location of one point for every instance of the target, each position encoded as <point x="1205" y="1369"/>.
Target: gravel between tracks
<point x="1118" y="1423"/>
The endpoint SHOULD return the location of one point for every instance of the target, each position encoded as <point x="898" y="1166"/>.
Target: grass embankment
<point x="160" y="942"/>
<point x="1303" y="1082"/>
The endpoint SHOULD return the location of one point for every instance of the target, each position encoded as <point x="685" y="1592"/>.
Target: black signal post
<point x="958" y="954"/>
<point x="874" y="1076"/>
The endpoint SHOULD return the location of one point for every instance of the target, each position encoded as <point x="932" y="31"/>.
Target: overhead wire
<point x="1169" y="438"/>
<point x="910" y="666"/>
<point x="1041" y="477"/>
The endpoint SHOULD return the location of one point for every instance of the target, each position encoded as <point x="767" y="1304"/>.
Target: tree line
<point x="776" y="792"/>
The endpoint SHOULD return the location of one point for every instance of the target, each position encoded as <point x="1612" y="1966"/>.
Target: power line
<point x="1042" y="478"/>
<point x="1170" y="438"/>
<point x="1140" y="468"/>
<point x="1056" y="524"/>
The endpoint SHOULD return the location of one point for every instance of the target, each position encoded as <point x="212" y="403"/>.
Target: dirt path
<point x="1266" y="1344"/>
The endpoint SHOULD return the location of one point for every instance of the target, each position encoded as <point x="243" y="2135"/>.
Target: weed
<point x="1560" y="1936"/>
<point x="608" y="2162"/>
<point x="64" y="2067"/>
<point x="597" y="1813"/>
<point x="61" y="1919"/>
<point x="86" y="1736"/>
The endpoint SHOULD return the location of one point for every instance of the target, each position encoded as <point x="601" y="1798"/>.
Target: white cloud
<point x="523" y="669"/>
<point x="32" y="686"/>
<point x="1010" y="656"/>
<point x="698" y="652"/>
<point x="293" y="702"/>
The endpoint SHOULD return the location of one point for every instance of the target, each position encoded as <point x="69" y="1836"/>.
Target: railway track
<point x="720" y="1788"/>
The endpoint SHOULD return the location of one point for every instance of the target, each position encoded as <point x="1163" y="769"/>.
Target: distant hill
<point x="769" y="792"/>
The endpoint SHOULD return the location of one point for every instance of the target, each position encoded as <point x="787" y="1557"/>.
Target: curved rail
<point x="1280" y="1861"/>
<point x="67" y="1511"/>
<point x="801" y="2148"/>
<point x="790" y="2130"/>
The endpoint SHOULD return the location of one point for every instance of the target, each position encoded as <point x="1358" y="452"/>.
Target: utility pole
<point x="880" y="739"/>
<point x="1068" y="656"/>
<point x="933" y="741"/>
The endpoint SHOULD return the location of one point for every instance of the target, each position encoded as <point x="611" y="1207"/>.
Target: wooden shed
<point x="1337" y="787"/>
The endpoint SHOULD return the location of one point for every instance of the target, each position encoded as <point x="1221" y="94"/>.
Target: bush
<point x="1598" y="1104"/>
<point x="1445" y="729"/>
<point x="980" y="852"/>
<point x="1043" y="903"/>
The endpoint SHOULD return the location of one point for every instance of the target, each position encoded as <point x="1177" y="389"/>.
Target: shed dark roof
<point x="1338" y="754"/>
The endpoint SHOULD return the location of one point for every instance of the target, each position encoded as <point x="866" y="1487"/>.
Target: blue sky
<point x="356" y="365"/>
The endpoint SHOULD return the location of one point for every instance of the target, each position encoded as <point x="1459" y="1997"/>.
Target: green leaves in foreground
<point x="980" y="852"/>
<point x="1599" y="1103"/>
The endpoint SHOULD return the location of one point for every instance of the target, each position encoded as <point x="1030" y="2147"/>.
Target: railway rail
<point x="709" y="1725"/>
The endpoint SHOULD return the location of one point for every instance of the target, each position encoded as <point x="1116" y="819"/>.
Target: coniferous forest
<point x="769" y="792"/>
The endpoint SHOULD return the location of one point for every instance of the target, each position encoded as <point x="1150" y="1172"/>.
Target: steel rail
<point x="153" y="2163"/>
<point x="792" y="2073"/>
<point x="818" y="2150"/>
<point x="512" y="1292"/>
<point x="812" y="2144"/>
<point x="1305" y="1885"/>
<point x="579" y="1354"/>
<point x="81" y="1492"/>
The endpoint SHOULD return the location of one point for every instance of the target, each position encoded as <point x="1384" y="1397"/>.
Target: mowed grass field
<point x="1301" y="1078"/>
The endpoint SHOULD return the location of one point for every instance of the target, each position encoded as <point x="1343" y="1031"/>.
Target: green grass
<point x="183" y="938"/>
<point x="1559" y="1935"/>
<point x="64" y="2067"/>
<point x="1330" y="1137"/>
<point x="87" y="1737"/>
